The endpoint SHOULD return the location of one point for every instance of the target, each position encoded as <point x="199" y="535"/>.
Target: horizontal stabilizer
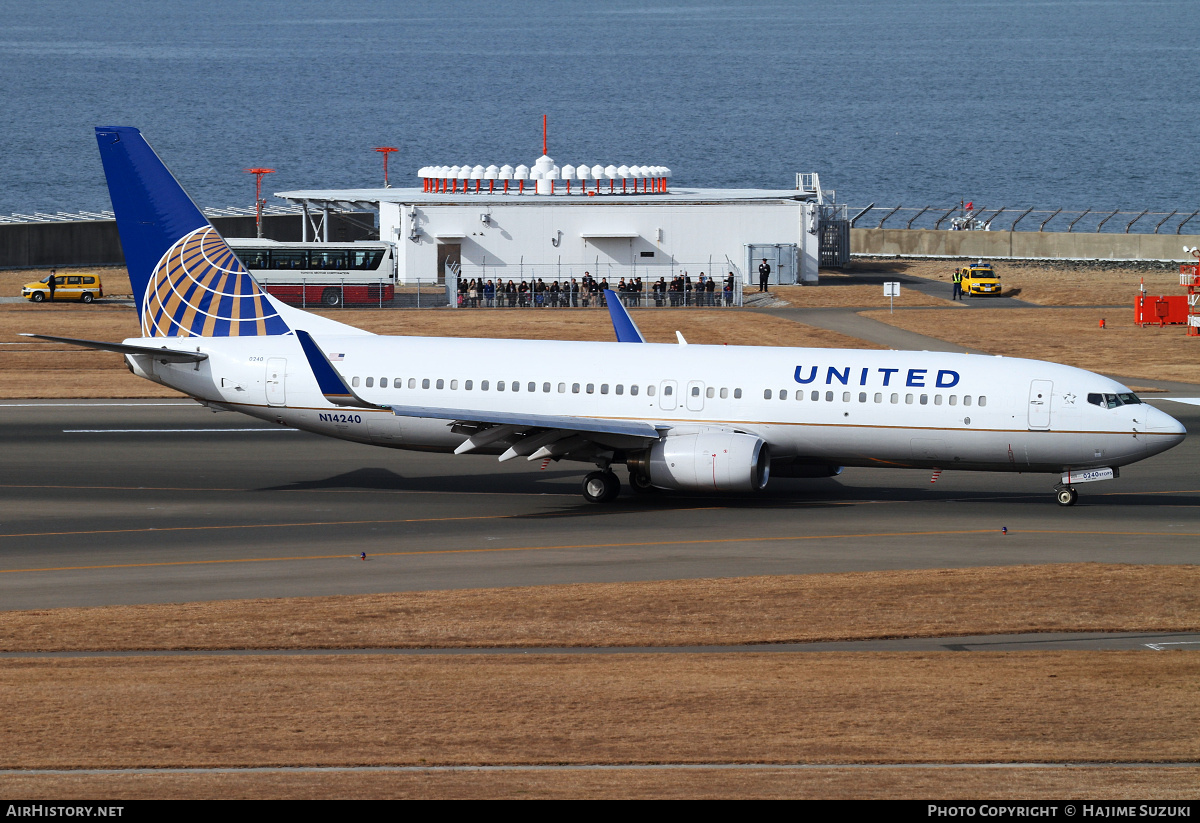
<point x="164" y="354"/>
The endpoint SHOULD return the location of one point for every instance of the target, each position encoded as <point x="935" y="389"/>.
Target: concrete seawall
<point x="97" y="243"/>
<point x="998" y="245"/>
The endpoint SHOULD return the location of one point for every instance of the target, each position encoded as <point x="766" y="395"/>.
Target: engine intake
<point x="707" y="461"/>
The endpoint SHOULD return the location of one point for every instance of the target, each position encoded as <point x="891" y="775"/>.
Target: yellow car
<point x="82" y="287"/>
<point x="979" y="279"/>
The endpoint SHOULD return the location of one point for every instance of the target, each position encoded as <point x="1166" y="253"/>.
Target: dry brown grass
<point x="1071" y="336"/>
<point x="834" y="708"/>
<point x="1041" y="283"/>
<point x="1112" y="783"/>
<point x="512" y="709"/>
<point x="835" y="292"/>
<point x="920" y="603"/>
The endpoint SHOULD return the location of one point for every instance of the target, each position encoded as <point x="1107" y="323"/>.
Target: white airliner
<point x="678" y="417"/>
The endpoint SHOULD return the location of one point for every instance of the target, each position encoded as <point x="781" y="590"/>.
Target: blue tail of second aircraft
<point x="186" y="280"/>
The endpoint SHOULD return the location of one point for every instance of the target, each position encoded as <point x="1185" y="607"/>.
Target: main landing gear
<point x="601" y="487"/>
<point x="1066" y="495"/>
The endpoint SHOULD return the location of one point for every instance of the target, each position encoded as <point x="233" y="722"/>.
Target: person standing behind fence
<point x="489" y="294"/>
<point x="729" y="290"/>
<point x="710" y="289"/>
<point x="510" y="291"/>
<point x="764" y="274"/>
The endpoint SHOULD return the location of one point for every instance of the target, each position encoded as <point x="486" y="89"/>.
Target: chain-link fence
<point x="542" y="286"/>
<point x="586" y="292"/>
<point x="1007" y="218"/>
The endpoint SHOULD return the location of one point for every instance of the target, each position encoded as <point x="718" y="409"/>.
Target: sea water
<point x="1079" y="104"/>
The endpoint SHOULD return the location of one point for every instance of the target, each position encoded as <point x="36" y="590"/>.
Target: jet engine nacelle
<point x="709" y="461"/>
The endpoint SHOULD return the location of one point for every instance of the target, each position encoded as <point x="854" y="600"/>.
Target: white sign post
<point x="891" y="290"/>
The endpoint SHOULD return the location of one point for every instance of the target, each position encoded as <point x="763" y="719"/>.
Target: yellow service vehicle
<point x="979" y="279"/>
<point x="82" y="287"/>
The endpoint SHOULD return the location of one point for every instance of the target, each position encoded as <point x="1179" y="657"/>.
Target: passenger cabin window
<point x="370" y="382"/>
<point x="633" y="390"/>
<point x="767" y="394"/>
<point x="737" y="394"/>
<point x="483" y="385"/>
<point x="453" y="385"/>
<point x="412" y="382"/>
<point x="620" y="388"/>
<point x="604" y="388"/>
<point x="499" y="385"/>
<point x="574" y="388"/>
<point x="468" y="385"/>
<point x="354" y="382"/>
<point x="650" y="391"/>
<point x="441" y="384"/>
<point x="383" y="382"/>
<point x="724" y="394"/>
<point x="425" y="383"/>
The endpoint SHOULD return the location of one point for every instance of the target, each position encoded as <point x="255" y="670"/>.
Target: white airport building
<point x="558" y="222"/>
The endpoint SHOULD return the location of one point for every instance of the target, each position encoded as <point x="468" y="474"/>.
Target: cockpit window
<point x="1112" y="401"/>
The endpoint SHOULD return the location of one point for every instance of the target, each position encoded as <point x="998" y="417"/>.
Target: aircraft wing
<point x="626" y="330"/>
<point x="591" y="425"/>
<point x="164" y="354"/>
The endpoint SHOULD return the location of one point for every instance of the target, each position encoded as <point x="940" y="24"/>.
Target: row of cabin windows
<point x="909" y="399"/>
<point x="709" y="392"/>
<point x="532" y="386"/>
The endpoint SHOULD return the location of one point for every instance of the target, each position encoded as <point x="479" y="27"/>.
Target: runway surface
<point x="163" y="501"/>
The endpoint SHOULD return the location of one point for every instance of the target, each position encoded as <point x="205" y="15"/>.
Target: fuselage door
<point x="276" y="381"/>
<point x="1039" y="404"/>
<point x="695" y="396"/>
<point x="667" y="395"/>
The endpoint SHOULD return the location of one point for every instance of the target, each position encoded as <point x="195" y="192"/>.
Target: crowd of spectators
<point x="588" y="292"/>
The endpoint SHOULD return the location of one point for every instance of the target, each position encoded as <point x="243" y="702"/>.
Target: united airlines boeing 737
<point x="678" y="417"/>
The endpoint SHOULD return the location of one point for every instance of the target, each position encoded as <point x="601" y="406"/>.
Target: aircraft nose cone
<point x="1167" y="427"/>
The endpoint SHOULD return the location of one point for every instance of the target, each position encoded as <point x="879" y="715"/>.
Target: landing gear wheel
<point x="1067" y="496"/>
<point x="331" y="298"/>
<point x="601" y="487"/>
<point x="640" y="483"/>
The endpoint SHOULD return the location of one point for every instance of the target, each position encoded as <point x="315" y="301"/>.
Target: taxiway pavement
<point x="118" y="502"/>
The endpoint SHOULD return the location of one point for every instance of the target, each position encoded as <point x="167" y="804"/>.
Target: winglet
<point x="627" y="331"/>
<point x="332" y="385"/>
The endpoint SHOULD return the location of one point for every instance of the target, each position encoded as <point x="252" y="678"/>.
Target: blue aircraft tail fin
<point x="186" y="280"/>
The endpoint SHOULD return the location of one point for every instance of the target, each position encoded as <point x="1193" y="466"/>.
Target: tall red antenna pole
<point x="385" y="151"/>
<point x="545" y="150"/>
<point x="258" y="198"/>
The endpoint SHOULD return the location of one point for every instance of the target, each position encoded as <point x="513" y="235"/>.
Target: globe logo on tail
<point x="200" y="289"/>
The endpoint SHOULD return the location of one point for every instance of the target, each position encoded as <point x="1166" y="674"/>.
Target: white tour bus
<point x="325" y="274"/>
